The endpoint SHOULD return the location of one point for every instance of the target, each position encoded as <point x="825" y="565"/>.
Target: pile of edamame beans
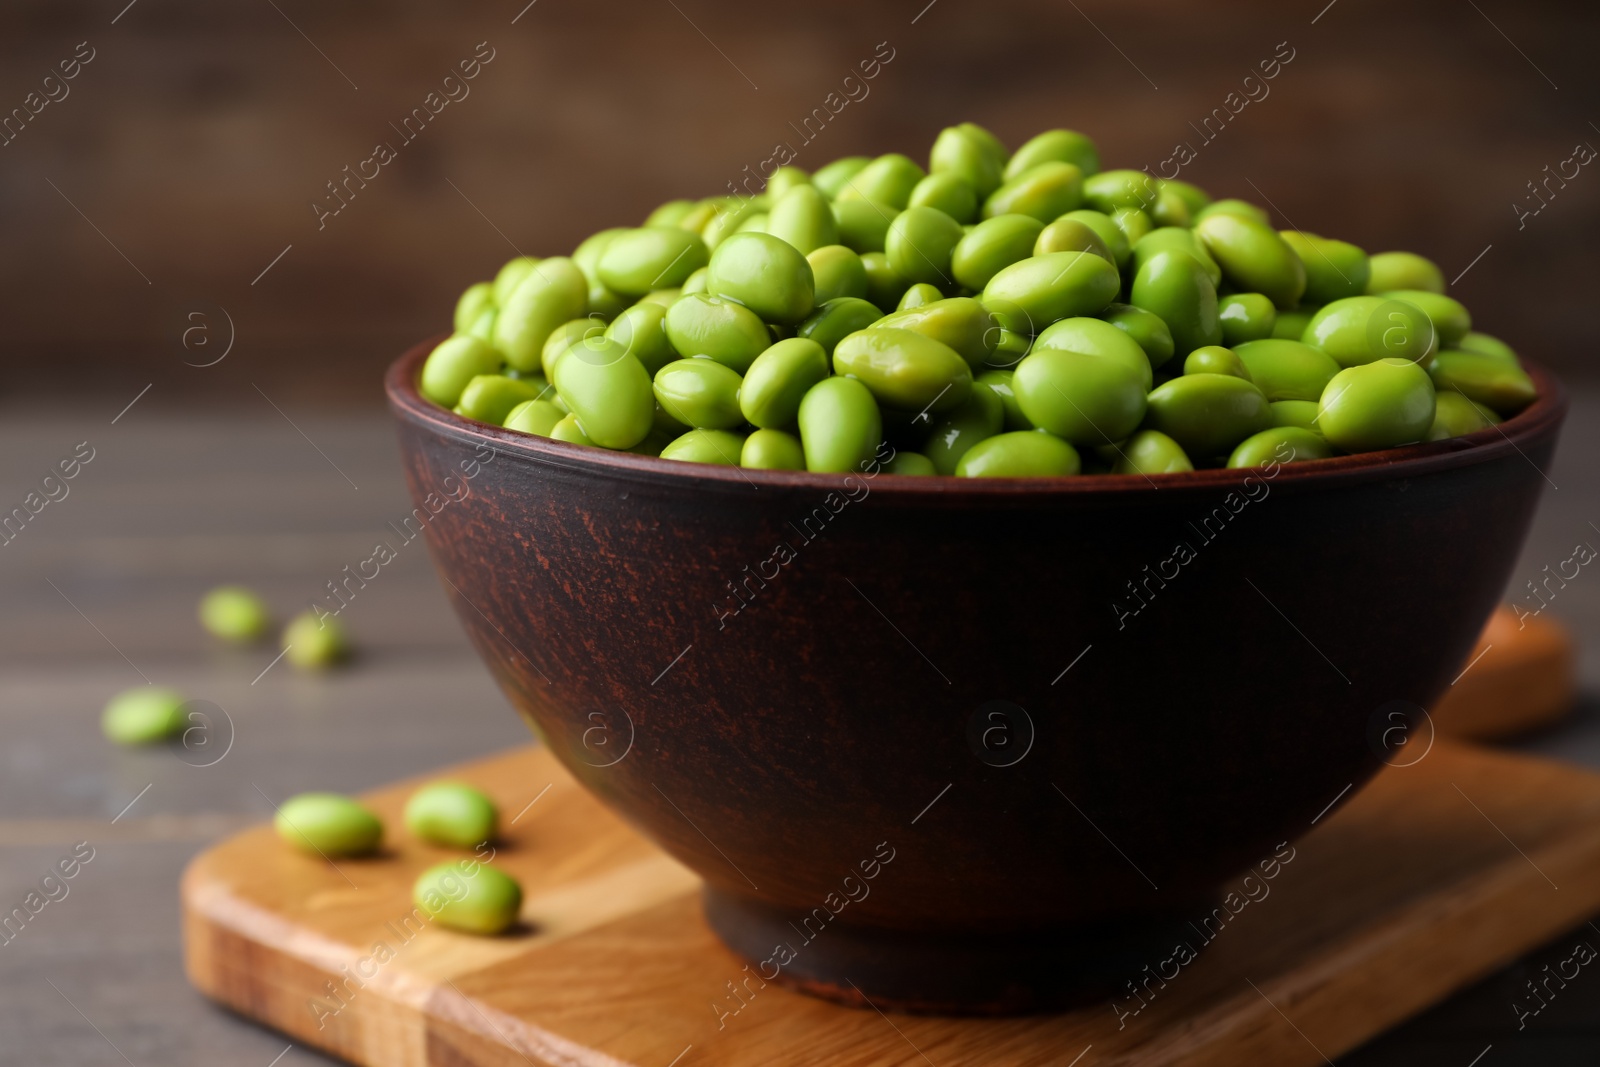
<point x="995" y="314"/>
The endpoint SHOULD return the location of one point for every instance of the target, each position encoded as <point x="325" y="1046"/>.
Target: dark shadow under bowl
<point x="968" y="745"/>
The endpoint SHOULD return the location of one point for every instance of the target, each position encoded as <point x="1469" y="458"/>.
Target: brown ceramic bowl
<point x="968" y="745"/>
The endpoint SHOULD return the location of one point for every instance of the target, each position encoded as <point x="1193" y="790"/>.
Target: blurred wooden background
<point x="197" y="136"/>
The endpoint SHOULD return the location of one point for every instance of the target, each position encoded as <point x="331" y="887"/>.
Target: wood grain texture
<point x="1404" y="895"/>
<point x="1520" y="678"/>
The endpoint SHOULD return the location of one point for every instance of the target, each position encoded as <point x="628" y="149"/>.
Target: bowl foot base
<point x="1010" y="973"/>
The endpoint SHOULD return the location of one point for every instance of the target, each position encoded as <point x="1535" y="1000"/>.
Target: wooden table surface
<point x="99" y="593"/>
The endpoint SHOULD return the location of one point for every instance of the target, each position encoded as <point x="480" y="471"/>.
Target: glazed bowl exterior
<point x="966" y="744"/>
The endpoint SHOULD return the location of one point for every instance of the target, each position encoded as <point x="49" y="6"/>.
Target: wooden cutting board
<point x="1520" y="678"/>
<point x="1433" y="876"/>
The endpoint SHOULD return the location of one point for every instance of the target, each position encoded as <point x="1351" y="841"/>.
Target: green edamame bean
<point x="1133" y="222"/>
<point x="1454" y="415"/>
<point x="1245" y="317"/>
<point x="313" y="643"/>
<point x="1083" y="399"/>
<point x="562" y="338"/>
<point x="658" y="257"/>
<point x="1174" y="239"/>
<point x="1022" y="454"/>
<point x="1334" y="269"/>
<point x="888" y="180"/>
<point x="473" y="303"/>
<point x="991" y="246"/>
<point x="570" y="431"/>
<point x="669" y="214"/>
<point x="1291" y="325"/>
<point x="885" y="286"/>
<point x="451" y="365"/>
<point x="1287" y="370"/>
<point x="452" y="813"/>
<point x="1363" y="329"/>
<point x="1170" y="209"/>
<point x="913" y="463"/>
<point x="971" y="154"/>
<point x="702" y="325"/>
<point x="1230" y="206"/>
<point x="1450" y="318"/>
<point x="1253" y="258"/>
<point x="840" y="426"/>
<point x="700" y="393"/>
<point x="1054" y="146"/>
<point x="1301" y="413"/>
<point x="469" y="896"/>
<point x="831" y="178"/>
<point x="1280" y="444"/>
<point x="1029" y="295"/>
<point x="510" y="276"/>
<point x="1214" y="359"/>
<point x="1111" y="190"/>
<point x="772" y="450"/>
<point x="919" y="244"/>
<point x="1485" y="345"/>
<point x="490" y="397"/>
<point x="837" y="319"/>
<point x="1071" y="235"/>
<point x="905" y="369"/>
<point x="863" y="225"/>
<point x="1094" y="337"/>
<point x="235" y="614"/>
<point x="483" y="327"/>
<point x="1106" y="228"/>
<point x="981" y="416"/>
<point x="949" y="193"/>
<point x="1194" y="198"/>
<point x="328" y="824"/>
<point x="537" y="417"/>
<point x="919" y="295"/>
<point x="1148" y="329"/>
<point x="731" y="215"/>
<point x="718" y="447"/>
<point x="1009" y="349"/>
<point x="838" y="272"/>
<point x="1390" y="271"/>
<point x="1208" y="414"/>
<point x="587" y="254"/>
<point x="1044" y="192"/>
<point x="664" y="297"/>
<point x="1174" y="286"/>
<point x="608" y="390"/>
<point x="1376" y="405"/>
<point x="641" y="329"/>
<point x="1150" y="452"/>
<point x="1492" y="382"/>
<point x="552" y="292"/>
<point x="959" y="322"/>
<point x="604" y="304"/>
<point x="143" y="716"/>
<point x="1000" y="382"/>
<point x="804" y="218"/>
<point x="694" y="283"/>
<point x="766" y="275"/>
<point x="785" y="179"/>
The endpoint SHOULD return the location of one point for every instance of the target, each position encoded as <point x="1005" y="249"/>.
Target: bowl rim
<point x="1542" y="416"/>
